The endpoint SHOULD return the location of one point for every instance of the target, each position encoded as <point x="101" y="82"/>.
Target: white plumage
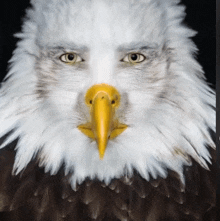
<point x="167" y="104"/>
<point x="165" y="100"/>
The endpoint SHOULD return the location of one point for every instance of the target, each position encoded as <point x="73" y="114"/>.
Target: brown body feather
<point x="38" y="196"/>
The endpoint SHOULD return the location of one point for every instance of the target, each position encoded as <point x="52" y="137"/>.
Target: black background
<point x="201" y="16"/>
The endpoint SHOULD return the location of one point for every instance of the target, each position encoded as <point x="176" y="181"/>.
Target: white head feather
<point x="165" y="100"/>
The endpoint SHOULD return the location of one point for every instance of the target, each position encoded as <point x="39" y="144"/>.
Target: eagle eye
<point x="70" y="58"/>
<point x="134" y="58"/>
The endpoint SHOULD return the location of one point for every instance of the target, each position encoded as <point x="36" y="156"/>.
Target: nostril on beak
<point x="90" y="101"/>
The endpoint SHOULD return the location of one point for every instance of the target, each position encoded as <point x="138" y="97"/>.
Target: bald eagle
<point x="106" y="115"/>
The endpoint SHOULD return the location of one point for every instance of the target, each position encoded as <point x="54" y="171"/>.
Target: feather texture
<point x="35" y="195"/>
<point x="42" y="102"/>
<point x="161" y="168"/>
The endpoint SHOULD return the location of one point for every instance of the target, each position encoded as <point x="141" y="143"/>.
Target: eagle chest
<point x="35" y="195"/>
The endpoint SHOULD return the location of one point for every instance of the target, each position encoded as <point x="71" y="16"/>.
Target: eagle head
<point x="105" y="88"/>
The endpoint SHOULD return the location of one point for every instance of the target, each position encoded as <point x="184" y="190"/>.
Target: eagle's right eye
<point x="134" y="58"/>
<point x="70" y="58"/>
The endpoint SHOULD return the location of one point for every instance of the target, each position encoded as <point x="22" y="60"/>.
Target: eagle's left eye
<point x="70" y="58"/>
<point x="133" y="58"/>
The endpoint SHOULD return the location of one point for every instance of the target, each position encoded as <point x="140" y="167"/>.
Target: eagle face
<point x="156" y="108"/>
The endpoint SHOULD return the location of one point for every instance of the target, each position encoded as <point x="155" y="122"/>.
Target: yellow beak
<point x="103" y="100"/>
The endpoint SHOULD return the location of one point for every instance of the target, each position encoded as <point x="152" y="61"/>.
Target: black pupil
<point x="70" y="57"/>
<point x="134" y="57"/>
